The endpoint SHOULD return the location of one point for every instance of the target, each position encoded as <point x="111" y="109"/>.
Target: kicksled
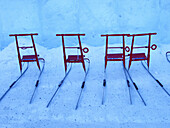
<point x="132" y="54"/>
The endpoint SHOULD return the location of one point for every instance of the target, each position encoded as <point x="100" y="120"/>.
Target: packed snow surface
<point x="16" y="112"/>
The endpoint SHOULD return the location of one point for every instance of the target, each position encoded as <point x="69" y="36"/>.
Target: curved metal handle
<point x="85" y="50"/>
<point x="127" y="49"/>
<point x="167" y="56"/>
<point x="154" y="46"/>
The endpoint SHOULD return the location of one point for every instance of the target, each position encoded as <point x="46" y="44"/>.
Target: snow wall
<point x="93" y="17"/>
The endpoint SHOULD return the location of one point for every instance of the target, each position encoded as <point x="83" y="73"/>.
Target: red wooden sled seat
<point x="28" y="58"/>
<point x="138" y="56"/>
<point x="115" y="57"/>
<point x="75" y="58"/>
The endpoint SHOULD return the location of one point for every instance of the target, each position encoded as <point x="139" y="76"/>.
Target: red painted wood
<point x="19" y="56"/>
<point x="23" y="34"/>
<point x="70" y="34"/>
<point x="81" y="51"/>
<point x="143" y="34"/>
<point x="35" y="51"/>
<point x="115" y="35"/>
<point x="64" y="54"/>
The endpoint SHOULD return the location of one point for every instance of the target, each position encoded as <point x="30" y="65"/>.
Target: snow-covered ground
<point x="16" y="112"/>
